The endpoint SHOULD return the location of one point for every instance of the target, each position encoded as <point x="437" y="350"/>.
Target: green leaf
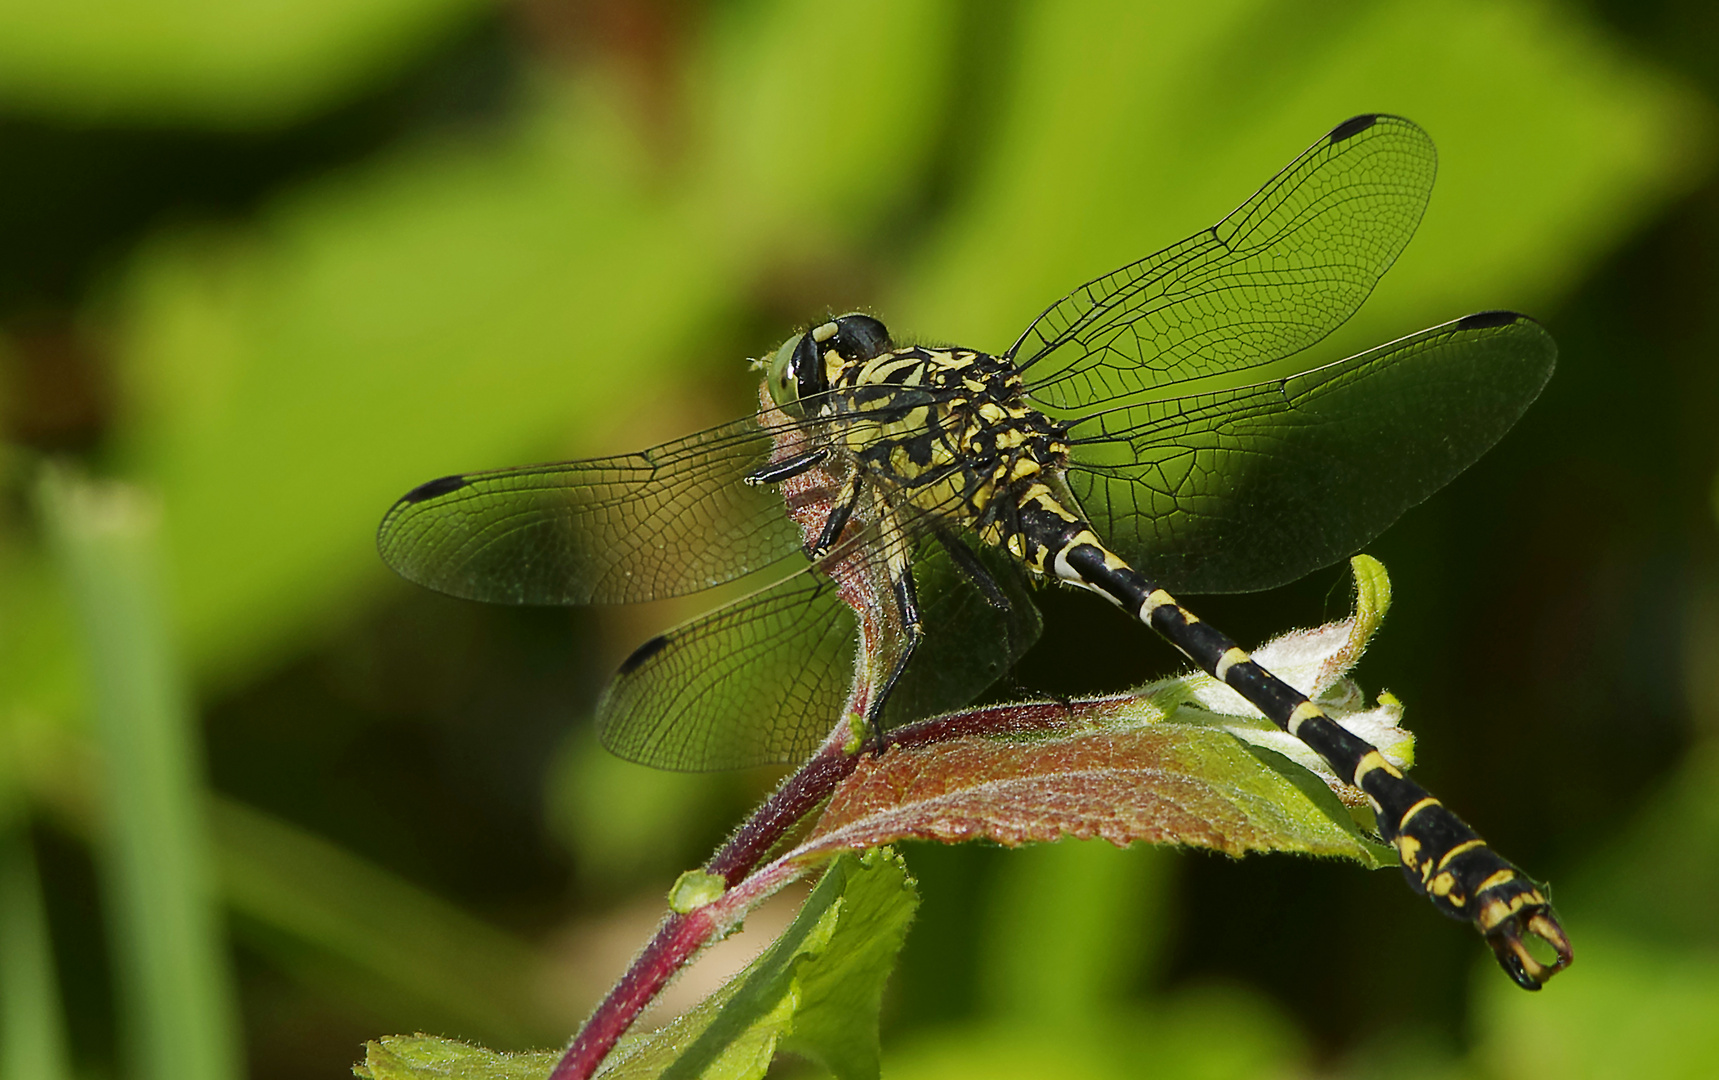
<point x="1316" y="662"/>
<point x="420" y="1057"/>
<point x="171" y="962"/>
<point x="841" y="994"/>
<point x="32" y="1025"/>
<point x="816" y="992"/>
<point x="1372" y="596"/>
<point x="1162" y="765"/>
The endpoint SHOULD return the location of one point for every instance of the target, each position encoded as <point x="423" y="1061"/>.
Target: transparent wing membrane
<point x="662" y="522"/>
<point x="969" y="643"/>
<point x="1253" y="487"/>
<point x="758" y="681"/>
<point x="1274" y="277"/>
<point x="763" y="679"/>
<point x="668" y="521"/>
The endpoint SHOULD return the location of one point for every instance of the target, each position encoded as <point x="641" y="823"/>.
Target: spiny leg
<point x="846" y="501"/>
<point x="979" y="575"/>
<point x="1443" y="858"/>
<point x="775" y="472"/>
<point x="904" y="594"/>
<point x="906" y="597"/>
<point x="973" y="570"/>
<point x="844" y="504"/>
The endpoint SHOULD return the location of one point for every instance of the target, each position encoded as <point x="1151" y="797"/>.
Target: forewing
<point x="662" y="522"/>
<point x="1277" y="275"/>
<point x="1253" y="487"/>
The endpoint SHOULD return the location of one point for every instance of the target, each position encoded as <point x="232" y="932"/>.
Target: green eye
<point x="784" y="388"/>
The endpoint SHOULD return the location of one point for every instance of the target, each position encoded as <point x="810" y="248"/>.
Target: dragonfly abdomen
<point x="1443" y="858"/>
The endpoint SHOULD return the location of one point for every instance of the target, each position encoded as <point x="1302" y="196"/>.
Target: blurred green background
<point x="265" y="266"/>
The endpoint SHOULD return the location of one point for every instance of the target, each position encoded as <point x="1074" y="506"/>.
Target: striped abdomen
<point x="1443" y="858"/>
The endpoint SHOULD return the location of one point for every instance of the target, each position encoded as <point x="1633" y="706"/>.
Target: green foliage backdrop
<point x="268" y="266"/>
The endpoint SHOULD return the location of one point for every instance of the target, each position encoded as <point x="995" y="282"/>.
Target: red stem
<point x="682" y="935"/>
<point x="676" y="940"/>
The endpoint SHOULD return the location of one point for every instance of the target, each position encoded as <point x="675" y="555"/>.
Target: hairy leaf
<point x="1153" y="782"/>
<point x="816" y="991"/>
<point x="422" y="1057"/>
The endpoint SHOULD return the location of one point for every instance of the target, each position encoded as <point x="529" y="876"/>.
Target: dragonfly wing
<point x="662" y="522"/>
<point x="764" y="679"/>
<point x="969" y="641"/>
<point x="1255" y="486"/>
<point x="1274" y="277"/>
<point x="759" y="681"/>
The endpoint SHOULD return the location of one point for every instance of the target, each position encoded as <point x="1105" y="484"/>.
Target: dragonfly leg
<point x="845" y="502"/>
<point x="968" y="563"/>
<point x="975" y="571"/>
<point x="1443" y="858"/>
<point x="913" y="632"/>
<point x="775" y="472"/>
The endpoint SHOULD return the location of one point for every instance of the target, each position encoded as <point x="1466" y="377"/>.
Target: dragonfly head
<point x="802" y="368"/>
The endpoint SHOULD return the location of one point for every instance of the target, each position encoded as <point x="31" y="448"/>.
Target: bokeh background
<point x="265" y="266"/>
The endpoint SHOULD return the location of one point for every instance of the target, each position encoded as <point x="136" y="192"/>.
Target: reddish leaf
<point x="1152" y="782"/>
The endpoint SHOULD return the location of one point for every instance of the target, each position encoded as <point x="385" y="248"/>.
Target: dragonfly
<point x="1163" y="427"/>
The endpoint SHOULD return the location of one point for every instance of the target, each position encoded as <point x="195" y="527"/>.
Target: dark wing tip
<point x="642" y="653"/>
<point x="1490" y="320"/>
<point x="434" y="489"/>
<point x="1353" y="126"/>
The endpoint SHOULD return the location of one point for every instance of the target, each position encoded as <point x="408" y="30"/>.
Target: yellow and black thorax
<point x="947" y="432"/>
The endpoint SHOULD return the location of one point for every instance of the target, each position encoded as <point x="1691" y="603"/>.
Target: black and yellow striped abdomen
<point x="1443" y="858"/>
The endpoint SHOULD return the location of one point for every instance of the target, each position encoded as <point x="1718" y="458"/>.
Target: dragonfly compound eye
<point x="861" y="337"/>
<point x="783" y="390"/>
<point x="797" y="370"/>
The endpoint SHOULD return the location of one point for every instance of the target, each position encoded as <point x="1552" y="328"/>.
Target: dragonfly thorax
<point x="944" y="431"/>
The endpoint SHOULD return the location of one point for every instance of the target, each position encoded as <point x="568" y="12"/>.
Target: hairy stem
<point x="682" y="935"/>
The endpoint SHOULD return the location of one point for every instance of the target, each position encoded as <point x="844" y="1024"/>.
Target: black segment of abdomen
<point x="1123" y="585"/>
<point x="1268" y="693"/>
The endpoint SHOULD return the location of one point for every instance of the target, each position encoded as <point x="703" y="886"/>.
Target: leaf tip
<point x="1372" y="594"/>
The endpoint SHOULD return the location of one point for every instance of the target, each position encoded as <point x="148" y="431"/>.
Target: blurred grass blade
<point x="32" y="1027"/>
<point x="177" y="994"/>
<point x="305" y="901"/>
